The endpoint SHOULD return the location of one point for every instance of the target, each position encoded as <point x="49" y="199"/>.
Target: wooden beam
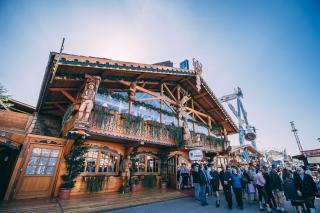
<point x="161" y="103"/>
<point x="191" y="85"/>
<point x="149" y="92"/>
<point x="200" y="118"/>
<point x="65" y="93"/>
<point x="169" y="92"/>
<point x="197" y="112"/>
<point x="55" y="102"/>
<point x="185" y="79"/>
<point x="148" y="99"/>
<point x="60" y="107"/>
<point x="200" y="95"/>
<point x="63" y="89"/>
<point x="141" y="75"/>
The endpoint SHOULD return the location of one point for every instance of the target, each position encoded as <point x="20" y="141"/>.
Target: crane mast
<point x="295" y="132"/>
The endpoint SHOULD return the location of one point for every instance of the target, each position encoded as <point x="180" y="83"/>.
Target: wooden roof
<point x="249" y="147"/>
<point x="71" y="69"/>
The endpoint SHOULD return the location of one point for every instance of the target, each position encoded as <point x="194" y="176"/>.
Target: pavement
<point x="189" y="205"/>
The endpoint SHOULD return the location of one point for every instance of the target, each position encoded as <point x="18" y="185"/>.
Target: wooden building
<point x="154" y="114"/>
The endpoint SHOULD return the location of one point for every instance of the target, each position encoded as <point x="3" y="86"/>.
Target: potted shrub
<point x="134" y="184"/>
<point x="74" y="162"/>
<point x="163" y="183"/>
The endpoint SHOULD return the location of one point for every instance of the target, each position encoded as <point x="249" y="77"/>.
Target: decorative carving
<point x="182" y="116"/>
<point x="125" y="170"/>
<point x="87" y="98"/>
<point x="198" y="70"/>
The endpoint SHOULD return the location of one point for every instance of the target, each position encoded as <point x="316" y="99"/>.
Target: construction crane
<point x="247" y="132"/>
<point x="295" y="132"/>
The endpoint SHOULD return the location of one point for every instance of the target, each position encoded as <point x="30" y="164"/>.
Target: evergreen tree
<point x="74" y="161"/>
<point x="4" y="98"/>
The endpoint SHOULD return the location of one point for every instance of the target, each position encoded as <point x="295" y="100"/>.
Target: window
<point x="42" y="161"/>
<point x="100" y="161"/>
<point x="112" y="103"/>
<point x="147" y="164"/>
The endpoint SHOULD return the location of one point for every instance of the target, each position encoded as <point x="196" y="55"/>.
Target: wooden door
<point x="172" y="171"/>
<point x="39" y="171"/>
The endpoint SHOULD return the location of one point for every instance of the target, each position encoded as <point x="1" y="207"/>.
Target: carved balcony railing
<point x="207" y="143"/>
<point x="122" y="125"/>
<point x="110" y="123"/>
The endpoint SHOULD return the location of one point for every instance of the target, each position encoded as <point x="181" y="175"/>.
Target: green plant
<point x="95" y="183"/>
<point x="4" y="98"/>
<point x="132" y="122"/>
<point x="74" y="162"/>
<point x="67" y="114"/>
<point x="134" y="180"/>
<point x="122" y="189"/>
<point x="149" y="181"/>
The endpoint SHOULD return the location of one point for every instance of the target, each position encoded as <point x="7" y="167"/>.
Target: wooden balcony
<point x="123" y="126"/>
<point x="112" y="124"/>
<point x="206" y="143"/>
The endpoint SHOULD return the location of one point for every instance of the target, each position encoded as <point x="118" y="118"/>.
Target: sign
<point x="313" y="160"/>
<point x="196" y="154"/>
<point x="311" y="153"/>
<point x="184" y="64"/>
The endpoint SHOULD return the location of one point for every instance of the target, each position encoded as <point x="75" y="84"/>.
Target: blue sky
<point x="268" y="48"/>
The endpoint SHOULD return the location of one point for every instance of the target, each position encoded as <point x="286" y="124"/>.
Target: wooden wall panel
<point x="14" y="120"/>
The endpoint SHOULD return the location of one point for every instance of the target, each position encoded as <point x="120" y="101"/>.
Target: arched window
<point x="101" y="161"/>
<point x="147" y="164"/>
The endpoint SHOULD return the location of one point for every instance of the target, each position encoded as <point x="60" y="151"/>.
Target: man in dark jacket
<point x="195" y="179"/>
<point x="225" y="179"/>
<point x="203" y="182"/>
<point x="268" y="189"/>
<point x="277" y="188"/>
<point x="306" y="188"/>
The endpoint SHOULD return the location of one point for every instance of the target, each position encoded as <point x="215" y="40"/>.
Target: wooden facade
<point x="135" y="112"/>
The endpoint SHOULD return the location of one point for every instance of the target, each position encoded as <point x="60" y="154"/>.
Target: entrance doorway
<point x="174" y="163"/>
<point x="8" y="158"/>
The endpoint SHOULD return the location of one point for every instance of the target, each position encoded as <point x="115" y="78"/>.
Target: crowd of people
<point x="268" y="186"/>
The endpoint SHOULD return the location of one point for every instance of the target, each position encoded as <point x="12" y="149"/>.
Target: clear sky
<point x="268" y="48"/>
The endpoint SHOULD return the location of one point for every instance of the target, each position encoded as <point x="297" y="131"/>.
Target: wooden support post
<point x="178" y="97"/>
<point x="209" y="124"/>
<point x="132" y="95"/>
<point x="161" y="103"/>
<point x="192" y="106"/>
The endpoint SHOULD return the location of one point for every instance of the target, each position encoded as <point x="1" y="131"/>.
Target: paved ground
<point x="189" y="205"/>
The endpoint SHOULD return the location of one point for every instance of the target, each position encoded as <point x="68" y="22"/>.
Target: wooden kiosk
<point x="152" y="113"/>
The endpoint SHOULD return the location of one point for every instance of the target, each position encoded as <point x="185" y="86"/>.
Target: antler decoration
<point x="198" y="70"/>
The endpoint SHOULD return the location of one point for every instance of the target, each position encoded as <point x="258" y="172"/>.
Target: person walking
<point x="225" y="179"/>
<point x="260" y="184"/>
<point x="237" y="187"/>
<point x="215" y="184"/>
<point x="203" y="182"/>
<point x="251" y="190"/>
<point x="184" y="173"/>
<point x="207" y="170"/>
<point x="277" y="188"/>
<point x="306" y="188"/>
<point x="269" y="196"/>
<point x="290" y="190"/>
<point x="195" y="179"/>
